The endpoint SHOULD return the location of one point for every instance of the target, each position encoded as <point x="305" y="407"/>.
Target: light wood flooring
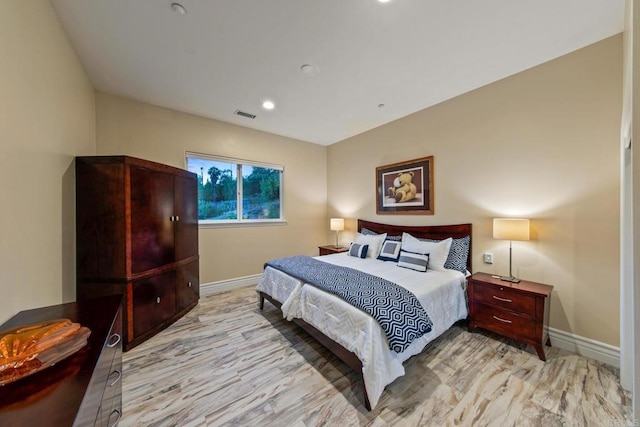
<point x="228" y="363"/>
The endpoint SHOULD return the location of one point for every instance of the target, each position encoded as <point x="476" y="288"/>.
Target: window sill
<point x="242" y="224"/>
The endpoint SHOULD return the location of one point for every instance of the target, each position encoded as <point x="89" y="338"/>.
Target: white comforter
<point x="441" y="293"/>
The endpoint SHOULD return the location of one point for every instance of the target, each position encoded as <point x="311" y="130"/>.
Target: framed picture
<point x="405" y="187"/>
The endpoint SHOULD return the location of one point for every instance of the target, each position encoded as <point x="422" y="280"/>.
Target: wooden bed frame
<point x="436" y="232"/>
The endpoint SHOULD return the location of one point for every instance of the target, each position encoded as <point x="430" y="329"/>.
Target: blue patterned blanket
<point x="396" y="309"/>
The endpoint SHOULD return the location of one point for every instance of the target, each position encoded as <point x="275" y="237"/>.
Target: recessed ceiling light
<point x="178" y="8"/>
<point x="268" y="105"/>
<point x="384" y="1"/>
<point x="307" y="69"/>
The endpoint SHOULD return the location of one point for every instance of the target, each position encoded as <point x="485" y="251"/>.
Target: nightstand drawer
<point x="503" y="297"/>
<point x="504" y="322"/>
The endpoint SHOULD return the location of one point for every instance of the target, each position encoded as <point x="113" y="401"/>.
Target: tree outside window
<point x="223" y="198"/>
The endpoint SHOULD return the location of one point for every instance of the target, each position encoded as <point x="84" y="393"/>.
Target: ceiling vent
<point x="243" y="114"/>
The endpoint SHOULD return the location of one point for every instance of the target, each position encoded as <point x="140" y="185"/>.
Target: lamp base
<point x="510" y="279"/>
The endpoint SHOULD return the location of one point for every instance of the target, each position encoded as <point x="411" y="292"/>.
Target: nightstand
<point x="519" y="311"/>
<point x="331" y="249"/>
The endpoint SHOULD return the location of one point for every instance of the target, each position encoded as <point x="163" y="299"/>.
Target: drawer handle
<point x="115" y="411"/>
<point x="158" y="300"/>
<point x="502" y="299"/>
<point x="114" y="343"/>
<point x="189" y="284"/>
<point x="114" y="382"/>
<point x="502" y="320"/>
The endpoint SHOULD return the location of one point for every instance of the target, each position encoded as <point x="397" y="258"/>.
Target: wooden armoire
<point x="137" y="235"/>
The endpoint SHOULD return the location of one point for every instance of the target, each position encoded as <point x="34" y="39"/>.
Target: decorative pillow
<point x="368" y="232"/>
<point x="438" y="251"/>
<point x="358" y="250"/>
<point x="374" y="241"/>
<point x="458" y="254"/>
<point x="390" y="251"/>
<point x="418" y="262"/>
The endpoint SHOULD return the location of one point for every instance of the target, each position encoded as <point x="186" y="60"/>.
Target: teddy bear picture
<point x="405" y="187"/>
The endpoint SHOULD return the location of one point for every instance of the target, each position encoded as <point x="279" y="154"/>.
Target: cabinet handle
<point x="189" y="284"/>
<point x="177" y="218"/>
<point x="502" y="299"/>
<point x="115" y="411"/>
<point x="502" y="320"/>
<point x="114" y="382"/>
<point x="114" y="343"/>
<point x="158" y="300"/>
<point x="171" y="218"/>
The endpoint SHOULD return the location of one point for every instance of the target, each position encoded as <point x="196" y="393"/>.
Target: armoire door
<point x="154" y="301"/>
<point x="187" y="285"/>
<point x="152" y="214"/>
<point x="186" y="209"/>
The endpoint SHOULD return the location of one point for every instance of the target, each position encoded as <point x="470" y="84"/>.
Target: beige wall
<point x="142" y="130"/>
<point x="542" y="144"/>
<point x="47" y="116"/>
<point x="635" y="171"/>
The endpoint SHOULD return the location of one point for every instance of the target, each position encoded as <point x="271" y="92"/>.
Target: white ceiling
<point x="224" y="55"/>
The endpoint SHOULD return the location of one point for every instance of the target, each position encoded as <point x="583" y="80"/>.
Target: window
<point x="224" y="199"/>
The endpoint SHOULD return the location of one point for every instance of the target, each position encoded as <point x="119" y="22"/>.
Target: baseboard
<point x="597" y="350"/>
<point x="227" y="285"/>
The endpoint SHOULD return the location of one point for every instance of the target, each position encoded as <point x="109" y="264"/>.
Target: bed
<point x="355" y="336"/>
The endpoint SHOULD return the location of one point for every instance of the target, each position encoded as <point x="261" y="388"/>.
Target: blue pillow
<point x="368" y="232"/>
<point x="418" y="262"/>
<point x="458" y="254"/>
<point x="358" y="250"/>
<point x="390" y="251"/>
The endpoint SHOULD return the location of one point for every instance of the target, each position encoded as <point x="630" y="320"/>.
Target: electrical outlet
<point x="488" y="258"/>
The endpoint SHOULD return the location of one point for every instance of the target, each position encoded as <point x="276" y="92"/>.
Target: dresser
<point x="82" y="390"/>
<point x="137" y="235"/>
<point x="519" y="311"/>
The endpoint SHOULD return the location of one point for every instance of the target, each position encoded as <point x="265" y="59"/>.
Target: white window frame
<point x="240" y="222"/>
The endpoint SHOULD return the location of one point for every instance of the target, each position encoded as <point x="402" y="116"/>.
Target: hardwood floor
<point x="228" y="363"/>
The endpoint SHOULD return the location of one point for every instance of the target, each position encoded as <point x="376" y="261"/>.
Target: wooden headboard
<point x="436" y="232"/>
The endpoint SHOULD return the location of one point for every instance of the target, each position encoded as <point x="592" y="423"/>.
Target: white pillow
<point x="438" y="251"/>
<point x="374" y="241"/>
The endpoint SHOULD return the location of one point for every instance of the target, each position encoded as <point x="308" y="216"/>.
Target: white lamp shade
<point x="510" y="229"/>
<point x="337" y="224"/>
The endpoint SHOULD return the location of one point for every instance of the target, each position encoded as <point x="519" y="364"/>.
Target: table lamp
<point x="337" y="225"/>
<point x="510" y="229"/>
